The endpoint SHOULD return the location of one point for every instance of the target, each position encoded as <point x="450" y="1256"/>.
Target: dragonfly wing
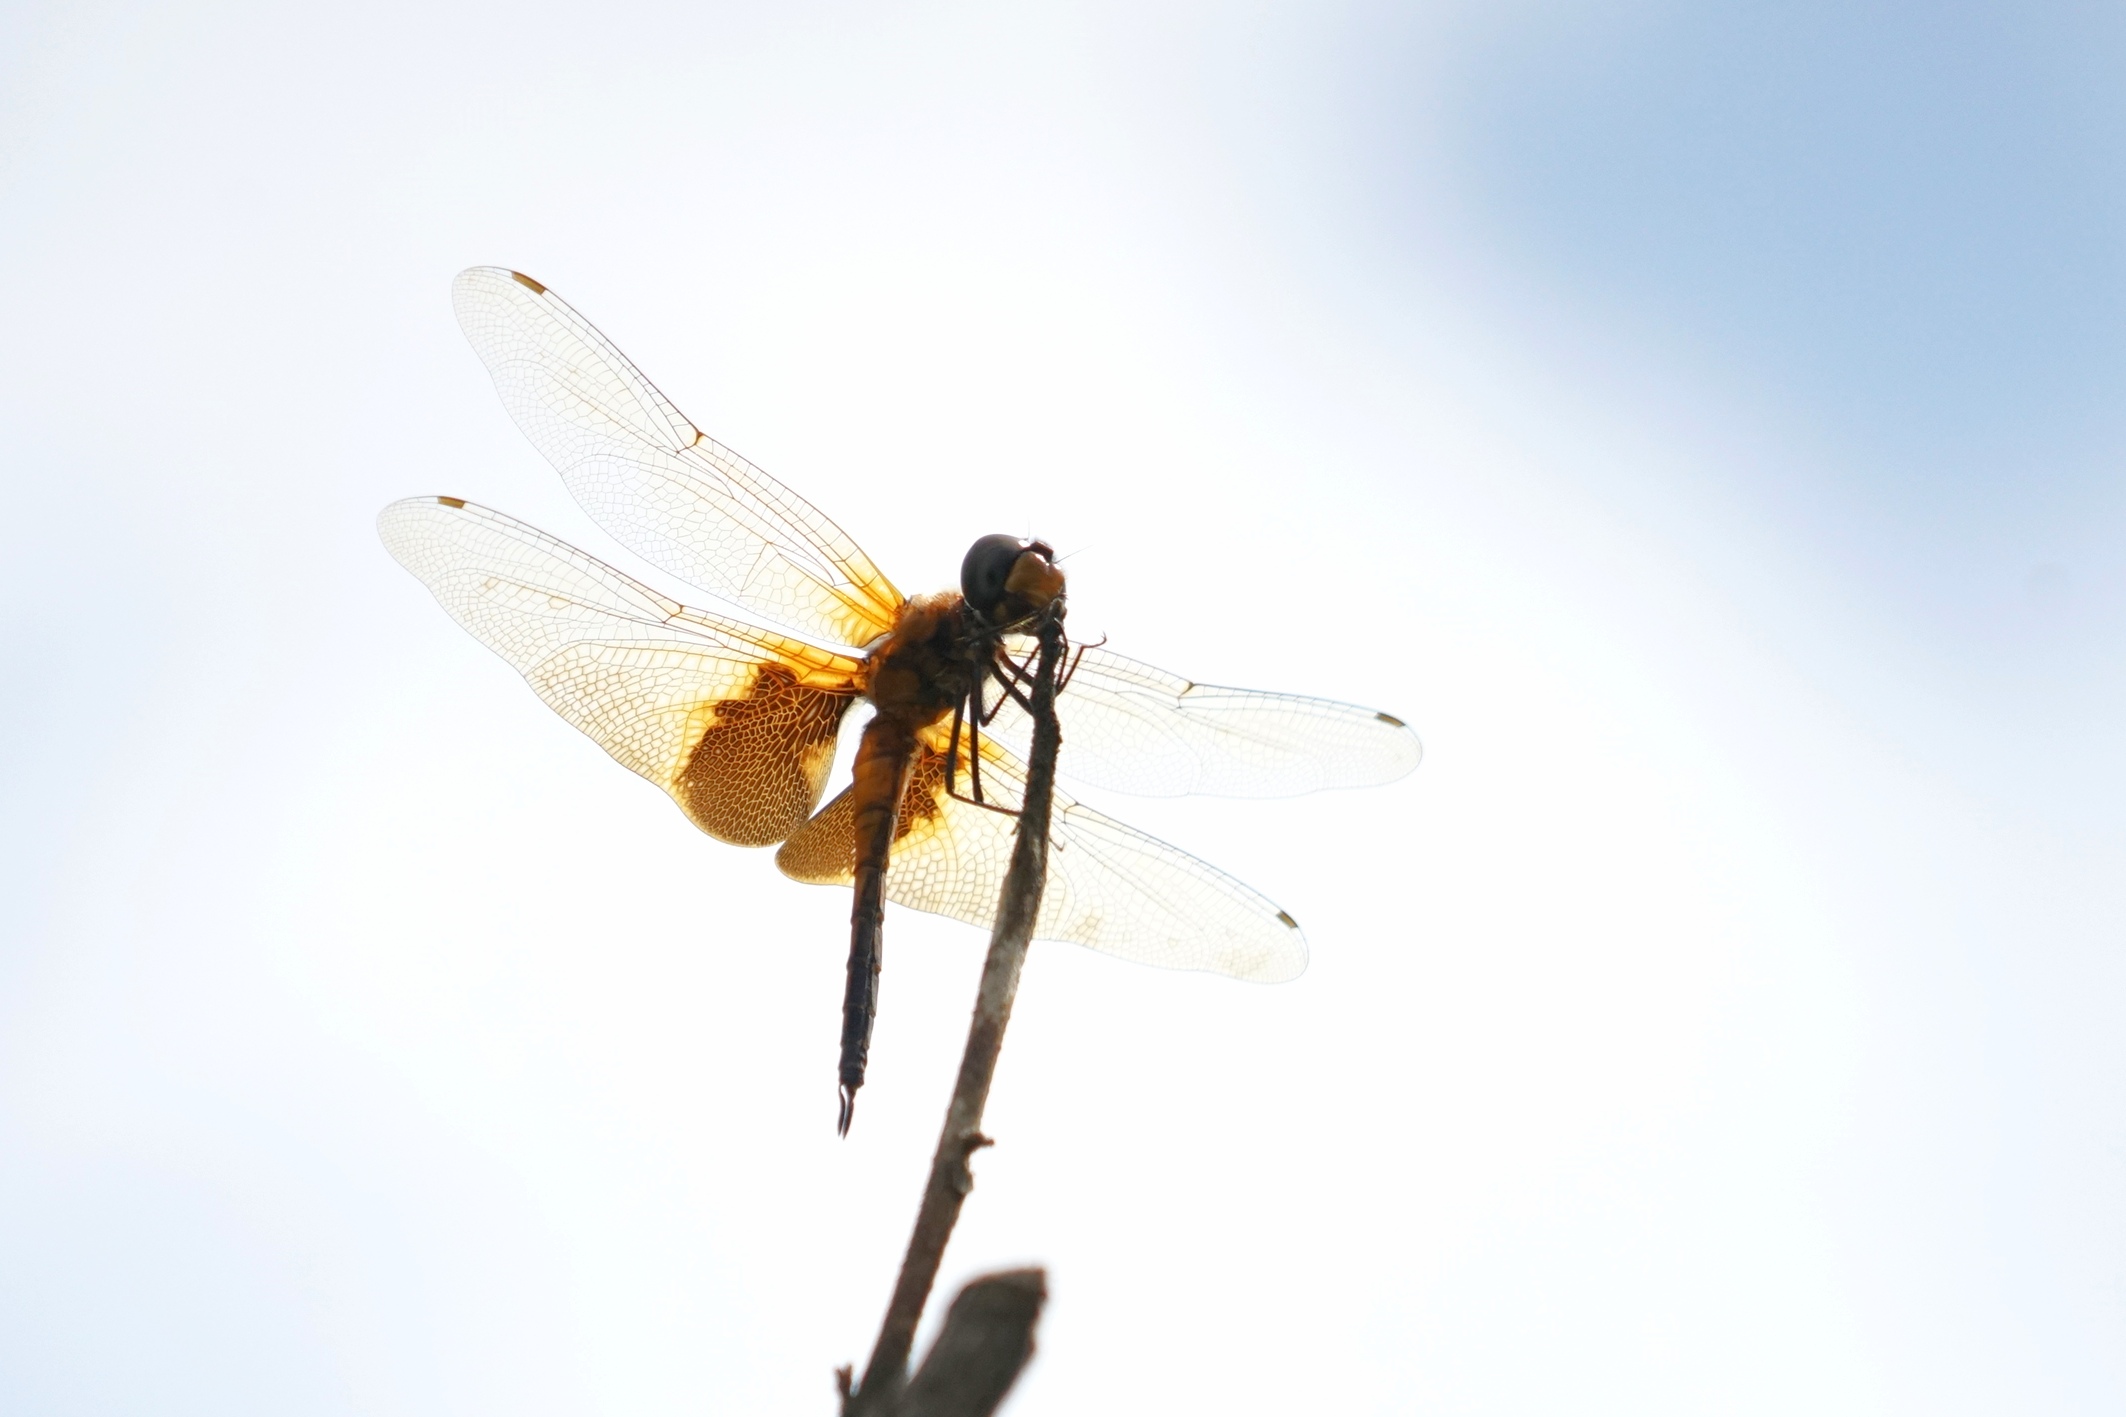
<point x="1110" y="887"/>
<point x="1133" y="728"/>
<point x="650" y="477"/>
<point x="736" y="723"/>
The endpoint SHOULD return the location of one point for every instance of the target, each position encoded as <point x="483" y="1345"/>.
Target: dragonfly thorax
<point x="927" y="664"/>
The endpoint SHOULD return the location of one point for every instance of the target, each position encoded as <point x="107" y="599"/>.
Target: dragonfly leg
<point x="952" y="755"/>
<point x="1075" y="660"/>
<point x="1019" y="669"/>
<point x="985" y="806"/>
<point x="1012" y="691"/>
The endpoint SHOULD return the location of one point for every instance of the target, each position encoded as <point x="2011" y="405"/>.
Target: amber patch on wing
<point x="822" y="852"/>
<point x="922" y="802"/>
<point x="760" y="766"/>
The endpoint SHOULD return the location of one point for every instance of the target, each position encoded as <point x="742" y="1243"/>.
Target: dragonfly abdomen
<point x="883" y="760"/>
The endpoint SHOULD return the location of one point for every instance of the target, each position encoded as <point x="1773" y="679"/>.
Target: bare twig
<point x="950" y="1178"/>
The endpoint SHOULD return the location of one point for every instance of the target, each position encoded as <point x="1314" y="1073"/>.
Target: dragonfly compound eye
<point x="987" y="568"/>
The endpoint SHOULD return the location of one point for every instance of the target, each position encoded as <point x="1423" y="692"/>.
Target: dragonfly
<point x="740" y="721"/>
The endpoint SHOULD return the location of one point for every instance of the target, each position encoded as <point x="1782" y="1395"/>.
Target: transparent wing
<point x="1133" y="728"/>
<point x="1110" y="887"/>
<point x="656" y="482"/>
<point x="738" y="724"/>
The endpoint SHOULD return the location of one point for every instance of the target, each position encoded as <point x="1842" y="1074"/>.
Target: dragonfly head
<point x="1007" y="579"/>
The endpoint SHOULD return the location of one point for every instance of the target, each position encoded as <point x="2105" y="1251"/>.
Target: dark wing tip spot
<point x="1288" y="920"/>
<point x="451" y="501"/>
<point x="1390" y="718"/>
<point x="527" y="282"/>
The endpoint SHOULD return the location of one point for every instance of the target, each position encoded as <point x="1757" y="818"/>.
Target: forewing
<point x="736" y="723"/>
<point x="655" y="481"/>
<point x="1110" y="887"/>
<point x="1133" y="728"/>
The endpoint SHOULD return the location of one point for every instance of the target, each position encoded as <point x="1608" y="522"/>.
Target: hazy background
<point x="1701" y="422"/>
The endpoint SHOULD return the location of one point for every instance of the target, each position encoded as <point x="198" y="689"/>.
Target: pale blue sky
<point x="1905" y="225"/>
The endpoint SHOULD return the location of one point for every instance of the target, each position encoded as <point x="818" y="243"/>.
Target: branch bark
<point x="986" y="1340"/>
<point x="885" y="1377"/>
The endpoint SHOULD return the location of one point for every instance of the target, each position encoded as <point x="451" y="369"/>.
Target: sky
<point x="1698" y="422"/>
